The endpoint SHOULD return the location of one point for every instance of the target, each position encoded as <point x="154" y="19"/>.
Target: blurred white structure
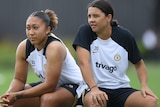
<point x="149" y="39"/>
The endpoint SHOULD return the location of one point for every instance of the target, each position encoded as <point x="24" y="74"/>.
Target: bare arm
<point x="55" y="55"/>
<point x="97" y="96"/>
<point x="21" y="69"/>
<point x="142" y="75"/>
<point x="85" y="66"/>
<point x="20" y="75"/>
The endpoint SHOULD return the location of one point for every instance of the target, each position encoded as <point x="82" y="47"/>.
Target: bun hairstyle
<point x="53" y="18"/>
<point x="48" y="16"/>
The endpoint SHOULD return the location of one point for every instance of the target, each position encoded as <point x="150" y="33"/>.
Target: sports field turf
<point x="6" y="75"/>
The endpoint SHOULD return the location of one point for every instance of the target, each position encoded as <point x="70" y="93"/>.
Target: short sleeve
<point x="84" y="37"/>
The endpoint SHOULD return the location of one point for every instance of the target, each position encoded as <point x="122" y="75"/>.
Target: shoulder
<point x="22" y="45"/>
<point x="122" y="31"/>
<point x="52" y="38"/>
<point x="54" y="42"/>
<point x="86" y="32"/>
<point x="85" y="27"/>
<point x="55" y="47"/>
<point x="122" y="35"/>
<point x="21" y="49"/>
<point x="84" y="37"/>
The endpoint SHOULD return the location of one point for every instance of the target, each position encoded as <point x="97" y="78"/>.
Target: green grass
<point x="6" y="76"/>
<point x="153" y="77"/>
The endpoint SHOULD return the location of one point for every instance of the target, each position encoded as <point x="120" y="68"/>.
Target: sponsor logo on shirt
<point x="111" y="69"/>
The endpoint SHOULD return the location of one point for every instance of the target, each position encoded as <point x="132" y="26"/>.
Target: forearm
<point x="88" y="75"/>
<point x="16" y="85"/>
<point x="143" y="78"/>
<point x="35" y="91"/>
<point x="142" y="73"/>
<point x="85" y="66"/>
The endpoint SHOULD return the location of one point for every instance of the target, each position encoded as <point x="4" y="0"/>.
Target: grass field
<point x="6" y="76"/>
<point x="7" y="55"/>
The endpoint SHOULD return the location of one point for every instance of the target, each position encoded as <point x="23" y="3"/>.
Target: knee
<point x="87" y="102"/>
<point x="48" y="99"/>
<point x="152" y="102"/>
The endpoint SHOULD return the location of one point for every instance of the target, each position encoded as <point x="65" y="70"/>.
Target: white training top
<point x="70" y="72"/>
<point x="109" y="58"/>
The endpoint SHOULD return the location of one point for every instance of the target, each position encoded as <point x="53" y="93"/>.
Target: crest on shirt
<point x="95" y="50"/>
<point x="117" y="57"/>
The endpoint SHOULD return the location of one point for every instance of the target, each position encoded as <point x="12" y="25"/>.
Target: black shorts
<point x="70" y="87"/>
<point x="117" y="97"/>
